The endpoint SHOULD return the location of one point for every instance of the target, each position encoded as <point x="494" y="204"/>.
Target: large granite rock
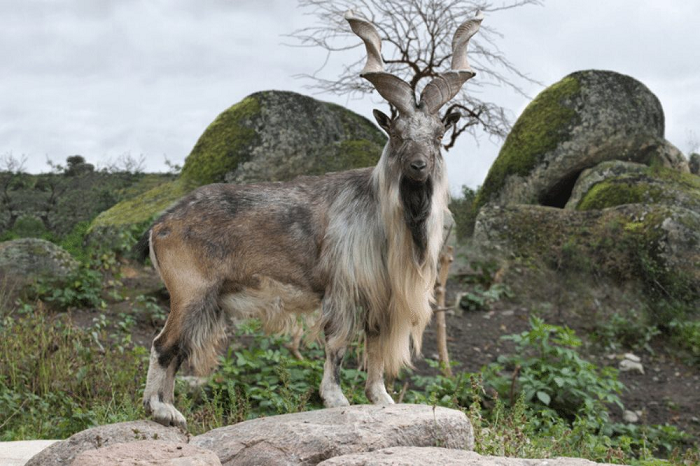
<point x="429" y="456"/>
<point x="610" y="184"/>
<point x="64" y="452"/>
<point x="311" y="437"/>
<point x="24" y="260"/>
<point x="268" y="136"/>
<point x="148" y="453"/>
<point x="655" y="244"/>
<point x="586" y="118"/>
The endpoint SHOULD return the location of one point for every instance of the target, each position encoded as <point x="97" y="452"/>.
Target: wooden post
<point x="445" y="260"/>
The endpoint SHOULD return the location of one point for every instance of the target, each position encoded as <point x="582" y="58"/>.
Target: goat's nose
<point x="418" y="165"/>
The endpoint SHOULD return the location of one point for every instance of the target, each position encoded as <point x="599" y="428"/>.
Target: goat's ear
<point x="383" y="120"/>
<point x="451" y="119"/>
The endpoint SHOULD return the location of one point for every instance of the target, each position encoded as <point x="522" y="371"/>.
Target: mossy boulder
<point x="297" y="135"/>
<point x="657" y="245"/>
<point x="22" y="261"/>
<point x="268" y="136"/>
<point x="615" y="183"/>
<point x="586" y="118"/>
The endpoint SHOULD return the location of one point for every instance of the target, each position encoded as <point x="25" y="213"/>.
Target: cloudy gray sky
<point x="106" y="77"/>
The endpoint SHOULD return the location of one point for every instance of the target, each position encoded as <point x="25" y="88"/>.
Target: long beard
<point x="416" y="201"/>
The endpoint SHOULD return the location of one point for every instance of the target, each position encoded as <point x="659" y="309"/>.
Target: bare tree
<point x="418" y="35"/>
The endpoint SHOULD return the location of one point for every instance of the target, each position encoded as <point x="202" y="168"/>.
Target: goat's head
<point x="415" y="135"/>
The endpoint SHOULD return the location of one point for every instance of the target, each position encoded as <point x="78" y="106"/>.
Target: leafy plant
<point x="686" y="335"/>
<point x="81" y="288"/>
<point x="551" y="375"/>
<point x="480" y="299"/>
<point x="626" y="331"/>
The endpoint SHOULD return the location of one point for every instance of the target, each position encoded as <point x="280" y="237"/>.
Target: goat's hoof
<point x="166" y="414"/>
<point x="379" y="396"/>
<point x="335" y="400"/>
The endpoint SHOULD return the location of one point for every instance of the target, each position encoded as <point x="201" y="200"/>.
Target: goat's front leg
<point x="375" y="389"/>
<point x="331" y="393"/>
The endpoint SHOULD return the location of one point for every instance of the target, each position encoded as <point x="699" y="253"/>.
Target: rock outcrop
<point x="311" y="437"/>
<point x="654" y="243"/>
<point x="352" y="435"/>
<point x="268" y="136"/>
<point x="63" y="453"/>
<point x="24" y="260"/>
<point x="148" y="453"/>
<point x="425" y="456"/>
<point x="616" y="183"/>
<point x="586" y="118"/>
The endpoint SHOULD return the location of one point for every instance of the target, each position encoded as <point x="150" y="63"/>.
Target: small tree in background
<point x="417" y="38"/>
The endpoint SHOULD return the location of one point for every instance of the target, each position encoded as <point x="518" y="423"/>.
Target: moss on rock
<point x="544" y="123"/>
<point x="222" y="146"/>
<point x="143" y="208"/>
<point x="348" y="155"/>
<point x="654" y="185"/>
<point x="657" y="245"/>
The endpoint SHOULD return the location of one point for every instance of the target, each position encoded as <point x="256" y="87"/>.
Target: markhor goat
<point x="362" y="245"/>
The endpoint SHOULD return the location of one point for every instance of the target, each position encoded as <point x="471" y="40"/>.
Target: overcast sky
<point x="102" y="78"/>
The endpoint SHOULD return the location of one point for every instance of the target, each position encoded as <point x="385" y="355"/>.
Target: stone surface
<point x="419" y="456"/>
<point x="656" y="245"/>
<point x="616" y="183"/>
<point x="18" y="453"/>
<point x="268" y="136"/>
<point x="586" y="118"/>
<point x="62" y="453"/>
<point x="630" y="417"/>
<point x="311" y="437"/>
<point x="24" y="260"/>
<point x="148" y="453"/>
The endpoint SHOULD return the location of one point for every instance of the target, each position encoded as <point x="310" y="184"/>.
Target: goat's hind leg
<point x="192" y="331"/>
<point x="375" y="388"/>
<point x="166" y="357"/>
<point x="158" y="397"/>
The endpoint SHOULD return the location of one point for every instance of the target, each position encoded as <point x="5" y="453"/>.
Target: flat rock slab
<point x="62" y="453"/>
<point x="416" y="456"/>
<point x="18" y="453"/>
<point x="147" y="453"/>
<point x="311" y="437"/>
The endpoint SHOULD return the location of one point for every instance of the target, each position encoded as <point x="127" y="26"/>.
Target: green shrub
<point x="686" y="335"/>
<point x="551" y="374"/>
<point x="81" y="289"/>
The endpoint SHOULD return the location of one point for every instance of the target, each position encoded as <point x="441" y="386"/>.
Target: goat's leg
<point x="331" y="393"/>
<point x="375" y="389"/>
<point x="158" y="397"/>
<point x="193" y="329"/>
